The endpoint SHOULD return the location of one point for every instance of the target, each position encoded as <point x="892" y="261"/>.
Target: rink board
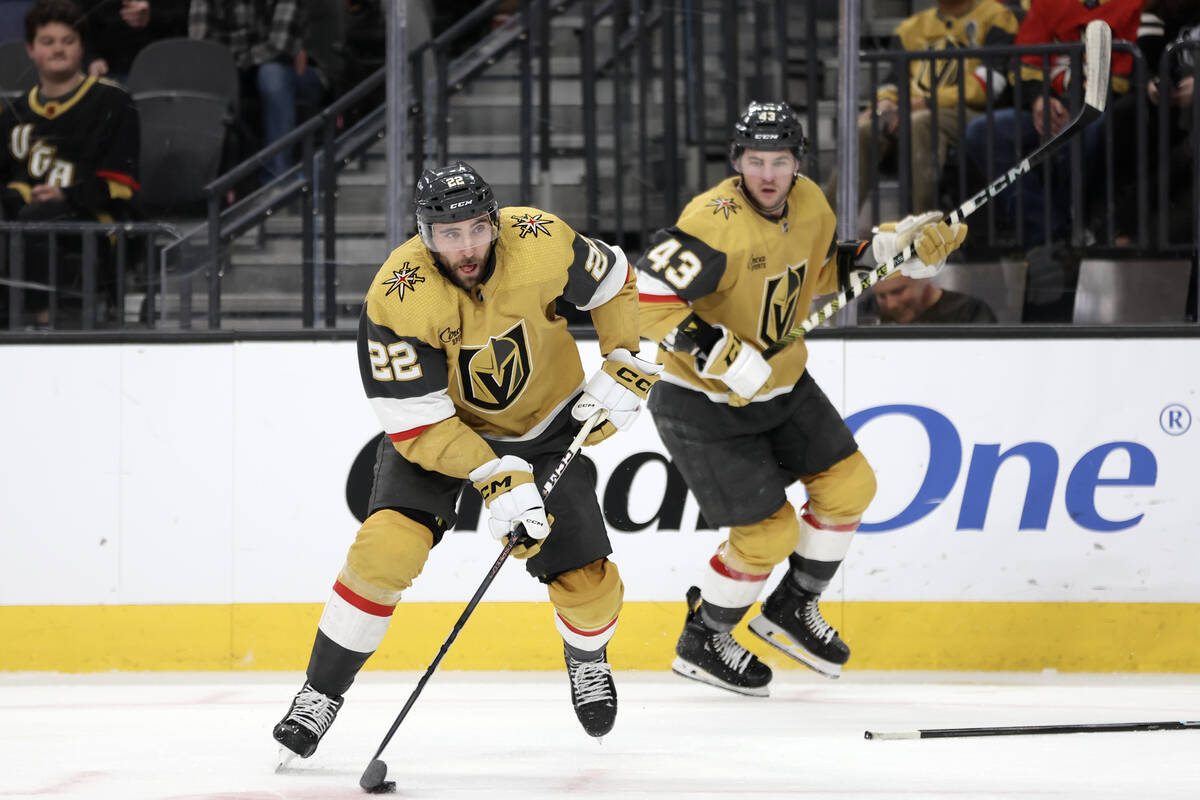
<point x="187" y="507"/>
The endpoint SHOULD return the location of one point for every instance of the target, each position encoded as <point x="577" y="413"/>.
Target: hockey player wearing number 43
<point x="744" y="259"/>
<point x="476" y="379"/>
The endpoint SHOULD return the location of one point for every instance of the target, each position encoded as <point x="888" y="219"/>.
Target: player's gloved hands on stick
<point x="512" y="498"/>
<point x="934" y="240"/>
<point x="737" y="364"/>
<point x="619" y="388"/>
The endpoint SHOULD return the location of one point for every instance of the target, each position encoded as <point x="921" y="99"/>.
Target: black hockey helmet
<point x="768" y="126"/>
<point x="453" y="193"/>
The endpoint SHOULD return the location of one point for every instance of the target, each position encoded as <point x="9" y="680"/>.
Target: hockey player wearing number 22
<point x="721" y="285"/>
<point x="476" y="379"/>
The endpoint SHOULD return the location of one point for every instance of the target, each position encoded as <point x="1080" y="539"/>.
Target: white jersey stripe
<point x="650" y="286"/>
<point x="399" y="415"/>
<point x="610" y="285"/>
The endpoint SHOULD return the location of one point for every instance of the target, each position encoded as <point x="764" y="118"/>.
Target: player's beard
<point x="454" y="269"/>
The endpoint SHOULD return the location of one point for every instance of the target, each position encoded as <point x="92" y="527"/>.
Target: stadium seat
<point x="186" y="65"/>
<point x="1132" y="292"/>
<point x="1000" y="284"/>
<point x="183" y="135"/>
<point x="17" y="73"/>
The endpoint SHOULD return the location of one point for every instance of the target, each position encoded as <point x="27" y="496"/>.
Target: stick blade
<point x="373" y="778"/>
<point x="1097" y="39"/>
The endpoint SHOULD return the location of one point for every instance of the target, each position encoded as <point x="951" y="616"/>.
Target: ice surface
<point x="513" y="736"/>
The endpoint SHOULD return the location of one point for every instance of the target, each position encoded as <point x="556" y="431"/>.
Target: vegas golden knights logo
<point x="945" y="70"/>
<point x="492" y="377"/>
<point x="781" y="294"/>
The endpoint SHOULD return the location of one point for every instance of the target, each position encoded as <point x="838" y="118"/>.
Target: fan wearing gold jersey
<point x="937" y="117"/>
<point x="717" y="288"/>
<point x="476" y="379"/>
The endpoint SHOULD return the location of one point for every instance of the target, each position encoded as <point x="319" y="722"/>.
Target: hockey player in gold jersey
<point x="476" y="379"/>
<point x="744" y="259"/>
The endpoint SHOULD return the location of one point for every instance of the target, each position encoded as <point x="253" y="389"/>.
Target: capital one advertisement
<point x="1007" y="471"/>
<point x="1018" y="470"/>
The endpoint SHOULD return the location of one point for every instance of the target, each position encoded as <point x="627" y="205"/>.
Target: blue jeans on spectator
<point x="280" y="91"/>
<point x="1012" y="126"/>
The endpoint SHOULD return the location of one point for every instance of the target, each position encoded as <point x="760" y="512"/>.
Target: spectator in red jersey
<point x="1049" y="21"/>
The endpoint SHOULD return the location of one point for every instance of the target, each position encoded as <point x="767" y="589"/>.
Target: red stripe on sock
<point x="807" y="516"/>
<point x="582" y="632"/>
<point x="721" y="568"/>
<point x="659" y="298"/>
<point x="362" y="603"/>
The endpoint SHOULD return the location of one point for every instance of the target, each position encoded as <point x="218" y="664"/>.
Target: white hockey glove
<point x="619" y="387"/>
<point x="934" y="240"/>
<point x="736" y="364"/>
<point x="512" y="497"/>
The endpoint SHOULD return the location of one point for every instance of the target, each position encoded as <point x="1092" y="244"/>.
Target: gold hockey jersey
<point x="735" y="267"/>
<point x="444" y="367"/>
<point x="986" y="23"/>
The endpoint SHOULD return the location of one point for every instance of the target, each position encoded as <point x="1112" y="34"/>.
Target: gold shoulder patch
<point x="531" y="223"/>
<point x="534" y="245"/>
<point x="409" y="295"/>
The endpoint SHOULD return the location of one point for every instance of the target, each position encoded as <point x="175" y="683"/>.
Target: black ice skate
<point x="791" y="620"/>
<point x="593" y="693"/>
<point x="307" y="720"/>
<point x="705" y="655"/>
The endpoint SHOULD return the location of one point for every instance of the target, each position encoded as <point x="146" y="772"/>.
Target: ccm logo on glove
<point x="635" y="380"/>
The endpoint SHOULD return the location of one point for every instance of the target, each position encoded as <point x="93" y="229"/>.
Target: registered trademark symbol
<point x="1175" y="419"/>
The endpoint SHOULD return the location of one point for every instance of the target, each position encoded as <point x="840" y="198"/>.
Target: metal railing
<point x="1091" y="185"/>
<point x="659" y="84"/>
<point x="113" y="260"/>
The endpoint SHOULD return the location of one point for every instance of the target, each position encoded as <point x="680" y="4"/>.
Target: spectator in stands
<point x="1019" y="7"/>
<point x="71" y="147"/>
<point x="1019" y="131"/>
<point x="1165" y="22"/>
<point x="266" y="38"/>
<point x="116" y="30"/>
<point x="948" y="25"/>
<point x="901" y="299"/>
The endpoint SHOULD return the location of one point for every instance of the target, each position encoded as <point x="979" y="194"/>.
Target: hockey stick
<point x="373" y="779"/>
<point x="1032" y="730"/>
<point x="1097" y="39"/>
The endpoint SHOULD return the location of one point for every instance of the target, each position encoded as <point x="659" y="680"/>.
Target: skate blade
<point x="689" y="670"/>
<point x="777" y="637"/>
<point x="284" y="758"/>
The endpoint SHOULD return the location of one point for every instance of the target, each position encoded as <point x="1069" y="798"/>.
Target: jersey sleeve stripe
<point x="660" y="298"/>
<point x="653" y="290"/>
<point x="405" y="415"/>
<point x="614" y="279"/>
<point x="404" y="436"/>
<point x="118" y="177"/>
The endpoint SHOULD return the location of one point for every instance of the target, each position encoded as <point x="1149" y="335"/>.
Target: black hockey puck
<point x="372" y="780"/>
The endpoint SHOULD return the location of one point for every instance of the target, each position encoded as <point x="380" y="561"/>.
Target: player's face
<point x="463" y="248"/>
<point x="56" y="51"/>
<point x="901" y="299"/>
<point x="767" y="176"/>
